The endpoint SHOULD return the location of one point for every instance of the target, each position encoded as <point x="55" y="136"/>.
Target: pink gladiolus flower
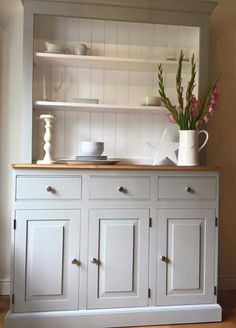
<point x="213" y="102"/>
<point x="170" y="118"/>
<point x="194" y="105"/>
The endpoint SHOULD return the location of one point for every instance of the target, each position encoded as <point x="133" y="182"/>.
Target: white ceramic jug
<point x="188" y="147"/>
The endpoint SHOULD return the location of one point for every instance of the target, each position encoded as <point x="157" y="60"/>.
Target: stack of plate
<point x="91" y="158"/>
<point x="96" y="160"/>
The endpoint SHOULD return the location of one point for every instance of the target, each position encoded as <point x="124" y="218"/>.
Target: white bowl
<point x="92" y="148"/>
<point x="54" y="48"/>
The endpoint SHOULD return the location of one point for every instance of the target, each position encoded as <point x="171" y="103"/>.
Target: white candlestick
<point x="47" y="139"/>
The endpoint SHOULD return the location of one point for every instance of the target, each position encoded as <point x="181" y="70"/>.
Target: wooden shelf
<point x="100" y="62"/>
<point x="117" y="167"/>
<point x="56" y="105"/>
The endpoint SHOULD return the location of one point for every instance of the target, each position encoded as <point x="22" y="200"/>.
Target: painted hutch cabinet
<point x="113" y="247"/>
<point x="119" y="245"/>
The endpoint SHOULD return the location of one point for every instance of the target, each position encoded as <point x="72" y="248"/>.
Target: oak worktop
<point x="116" y="167"/>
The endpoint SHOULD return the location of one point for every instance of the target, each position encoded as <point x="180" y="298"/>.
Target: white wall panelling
<point x="125" y="135"/>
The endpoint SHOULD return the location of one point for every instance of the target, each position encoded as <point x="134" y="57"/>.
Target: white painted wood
<point x="175" y="223"/>
<point x="102" y="187"/>
<point x="97" y="126"/>
<point x="118" y="239"/>
<point x="46" y="241"/>
<point x="63" y="187"/>
<point x="184" y="247"/>
<point x="135" y="40"/>
<point x="116" y="48"/>
<point x="175" y="188"/>
<point x="117" y="247"/>
<point x="186" y="238"/>
<point x="99" y="108"/>
<point x="98" y="38"/>
<point x="123" y="39"/>
<point x="4" y="287"/>
<point x="118" y="317"/>
<point x="47" y="159"/>
<point x="71" y="134"/>
<point x="115" y="63"/>
<point x="110" y="39"/>
<point x="45" y="246"/>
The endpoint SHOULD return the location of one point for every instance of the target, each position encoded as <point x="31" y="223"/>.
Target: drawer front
<point x="119" y="187"/>
<point x="186" y="188"/>
<point x="48" y="188"/>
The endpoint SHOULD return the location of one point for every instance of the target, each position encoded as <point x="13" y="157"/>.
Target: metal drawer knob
<point x="50" y="189"/>
<point x="121" y="189"/>
<point x="163" y="258"/>
<point x="75" y="261"/>
<point x="188" y="189"/>
<point x="94" y="260"/>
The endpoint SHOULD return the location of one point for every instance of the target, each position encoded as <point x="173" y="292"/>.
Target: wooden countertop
<point x="116" y="167"/>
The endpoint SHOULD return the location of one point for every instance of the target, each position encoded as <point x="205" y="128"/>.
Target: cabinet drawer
<point x="186" y="188"/>
<point x="119" y="187"/>
<point x="48" y="188"/>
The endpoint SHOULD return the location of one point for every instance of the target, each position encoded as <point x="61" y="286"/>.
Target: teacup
<point x="54" y="48"/>
<point x="81" y="49"/>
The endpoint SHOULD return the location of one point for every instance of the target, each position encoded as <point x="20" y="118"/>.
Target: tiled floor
<point x="226" y="299"/>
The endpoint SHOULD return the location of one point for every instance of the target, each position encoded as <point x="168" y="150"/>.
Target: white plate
<point x="93" y="162"/>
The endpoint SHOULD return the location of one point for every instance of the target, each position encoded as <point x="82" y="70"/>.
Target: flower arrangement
<point x="192" y="112"/>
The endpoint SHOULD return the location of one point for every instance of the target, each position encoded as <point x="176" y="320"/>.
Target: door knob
<point x="163" y="258"/>
<point x="122" y="189"/>
<point x="188" y="189"/>
<point x="50" y="189"/>
<point x="75" y="261"/>
<point x="94" y="260"/>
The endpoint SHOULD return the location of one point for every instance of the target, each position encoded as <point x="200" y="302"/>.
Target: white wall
<point x="11" y="31"/>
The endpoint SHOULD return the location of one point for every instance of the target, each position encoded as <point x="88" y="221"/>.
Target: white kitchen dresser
<point x="113" y="246"/>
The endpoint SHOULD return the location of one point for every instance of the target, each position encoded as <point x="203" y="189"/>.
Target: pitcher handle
<point x="205" y="142"/>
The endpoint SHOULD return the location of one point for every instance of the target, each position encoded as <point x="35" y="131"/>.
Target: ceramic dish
<point x="86" y="100"/>
<point x="94" y="162"/>
<point x="91" y="158"/>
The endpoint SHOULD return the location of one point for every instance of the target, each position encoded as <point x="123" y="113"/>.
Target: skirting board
<point x="5" y="287"/>
<point x="227" y="282"/>
<point x="116" y="317"/>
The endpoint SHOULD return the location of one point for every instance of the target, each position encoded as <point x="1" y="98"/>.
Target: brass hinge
<point x="150" y="222"/>
<point x="14" y="224"/>
<point x="215" y="290"/>
<point x="216" y="222"/>
<point x="12" y="298"/>
<point x="149" y="293"/>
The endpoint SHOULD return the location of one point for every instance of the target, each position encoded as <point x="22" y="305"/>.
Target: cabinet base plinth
<point x="141" y="316"/>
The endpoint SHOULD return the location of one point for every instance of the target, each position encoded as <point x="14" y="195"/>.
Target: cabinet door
<point x="118" y="258"/>
<point x="46" y="242"/>
<point x="186" y="256"/>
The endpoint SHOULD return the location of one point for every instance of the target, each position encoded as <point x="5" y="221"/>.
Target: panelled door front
<point x="118" y="258"/>
<point x="46" y="243"/>
<point x="186" y="256"/>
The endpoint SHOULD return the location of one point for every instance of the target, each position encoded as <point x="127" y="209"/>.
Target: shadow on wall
<point x="222" y="144"/>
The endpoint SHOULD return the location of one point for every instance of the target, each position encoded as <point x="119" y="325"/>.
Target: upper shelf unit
<point x="101" y="62"/>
